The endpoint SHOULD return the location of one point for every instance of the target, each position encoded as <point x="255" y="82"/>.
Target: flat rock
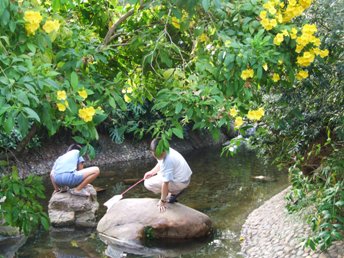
<point x="133" y="220"/>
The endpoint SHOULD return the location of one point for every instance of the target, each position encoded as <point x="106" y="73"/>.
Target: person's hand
<point x="148" y="175"/>
<point x="162" y="206"/>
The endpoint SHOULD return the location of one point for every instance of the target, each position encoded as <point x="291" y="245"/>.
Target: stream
<point x="222" y="187"/>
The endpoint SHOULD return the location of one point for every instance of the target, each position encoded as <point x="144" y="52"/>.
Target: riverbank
<point x="270" y="232"/>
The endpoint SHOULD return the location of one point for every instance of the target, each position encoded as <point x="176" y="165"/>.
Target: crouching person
<point x="170" y="176"/>
<point x="69" y="172"/>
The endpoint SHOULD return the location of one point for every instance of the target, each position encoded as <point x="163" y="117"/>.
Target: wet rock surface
<point x="270" y="231"/>
<point x="132" y="220"/>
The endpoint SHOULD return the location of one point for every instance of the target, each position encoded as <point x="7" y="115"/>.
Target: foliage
<point x="324" y="194"/>
<point x="65" y="75"/>
<point x="303" y="129"/>
<point x="18" y="202"/>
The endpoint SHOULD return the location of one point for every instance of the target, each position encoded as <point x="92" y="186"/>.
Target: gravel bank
<point x="270" y="232"/>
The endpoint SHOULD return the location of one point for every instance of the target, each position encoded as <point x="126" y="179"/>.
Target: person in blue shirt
<point x="68" y="172"/>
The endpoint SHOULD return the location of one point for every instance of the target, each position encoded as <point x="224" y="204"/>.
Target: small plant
<point x="19" y="205"/>
<point x="149" y="232"/>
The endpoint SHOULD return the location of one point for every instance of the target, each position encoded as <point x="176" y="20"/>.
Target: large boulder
<point x="66" y="210"/>
<point x="133" y="220"/>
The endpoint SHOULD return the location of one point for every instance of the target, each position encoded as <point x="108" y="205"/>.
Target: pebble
<point x="271" y="221"/>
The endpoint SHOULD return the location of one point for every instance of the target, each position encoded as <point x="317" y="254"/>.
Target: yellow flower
<point x="285" y="33"/>
<point x="87" y="114"/>
<point x="32" y="20"/>
<point x="127" y="98"/>
<point x="61" y="107"/>
<point x="278" y="39"/>
<point x="298" y="49"/>
<point x="233" y="112"/>
<point x="263" y="14"/>
<point x="83" y="93"/>
<point x="276" y="77"/>
<point x="270" y="7"/>
<point x="256" y="115"/>
<point x="32" y="17"/>
<point x="248" y="73"/>
<point x="203" y="37"/>
<point x="265" y="67"/>
<point x="293" y="33"/>
<point x="268" y="24"/>
<point x="305" y="3"/>
<point x="61" y="95"/>
<point x="175" y="22"/>
<point x="302" y="75"/>
<point x="51" y="25"/>
<point x="238" y="122"/>
<point x="306" y="59"/>
<point x="31" y="28"/>
<point x="309" y="29"/>
<point x="324" y="53"/>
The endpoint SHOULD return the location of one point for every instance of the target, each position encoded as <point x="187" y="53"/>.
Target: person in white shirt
<point x="170" y="176"/>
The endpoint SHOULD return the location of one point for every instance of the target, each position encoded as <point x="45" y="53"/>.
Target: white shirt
<point x="174" y="167"/>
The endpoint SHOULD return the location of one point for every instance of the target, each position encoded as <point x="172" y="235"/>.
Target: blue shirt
<point x="68" y="162"/>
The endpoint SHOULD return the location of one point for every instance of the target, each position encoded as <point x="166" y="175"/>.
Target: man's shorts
<point x="70" y="179"/>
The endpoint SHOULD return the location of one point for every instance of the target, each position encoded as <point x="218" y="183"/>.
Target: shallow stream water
<point x="221" y="187"/>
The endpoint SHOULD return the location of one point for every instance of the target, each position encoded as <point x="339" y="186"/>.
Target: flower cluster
<point x="307" y="44"/>
<point x="32" y="20"/>
<point x="256" y="115"/>
<point x="51" y="25"/>
<point x="62" y="96"/>
<point x="83" y="93"/>
<point x="275" y="11"/>
<point x="248" y="73"/>
<point x="253" y="115"/>
<point x="87" y="113"/>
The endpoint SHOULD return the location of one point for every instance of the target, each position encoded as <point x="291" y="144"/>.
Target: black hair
<point x="154" y="144"/>
<point x="74" y="146"/>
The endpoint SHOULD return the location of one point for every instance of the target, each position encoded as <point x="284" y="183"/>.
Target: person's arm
<point x="152" y="172"/>
<point x="164" y="193"/>
<point x="80" y="166"/>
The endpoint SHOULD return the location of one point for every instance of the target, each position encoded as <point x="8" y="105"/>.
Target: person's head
<point x="153" y="149"/>
<point x="74" y="146"/>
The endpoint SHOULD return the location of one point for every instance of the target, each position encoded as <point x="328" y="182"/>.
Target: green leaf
<point x="23" y="124"/>
<point x="206" y="4"/>
<point x="178" y="132"/>
<point x="22" y="97"/>
<point x="3" y="5"/>
<point x="179" y="107"/>
<point x="79" y="139"/>
<point x="9" y="123"/>
<point x="74" y="80"/>
<point x="32" y="114"/>
<point x="5" y="18"/>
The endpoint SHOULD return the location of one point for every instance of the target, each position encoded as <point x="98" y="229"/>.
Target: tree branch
<point x="110" y="35"/>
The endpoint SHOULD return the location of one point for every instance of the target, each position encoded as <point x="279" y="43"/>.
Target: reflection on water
<point x="221" y="187"/>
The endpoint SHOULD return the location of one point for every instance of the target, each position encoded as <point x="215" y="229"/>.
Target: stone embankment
<point x="40" y="160"/>
<point x="270" y="232"/>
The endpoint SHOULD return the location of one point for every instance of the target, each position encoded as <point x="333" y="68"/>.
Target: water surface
<point x="221" y="187"/>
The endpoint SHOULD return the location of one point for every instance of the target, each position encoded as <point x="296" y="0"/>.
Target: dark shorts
<point x="71" y="179"/>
